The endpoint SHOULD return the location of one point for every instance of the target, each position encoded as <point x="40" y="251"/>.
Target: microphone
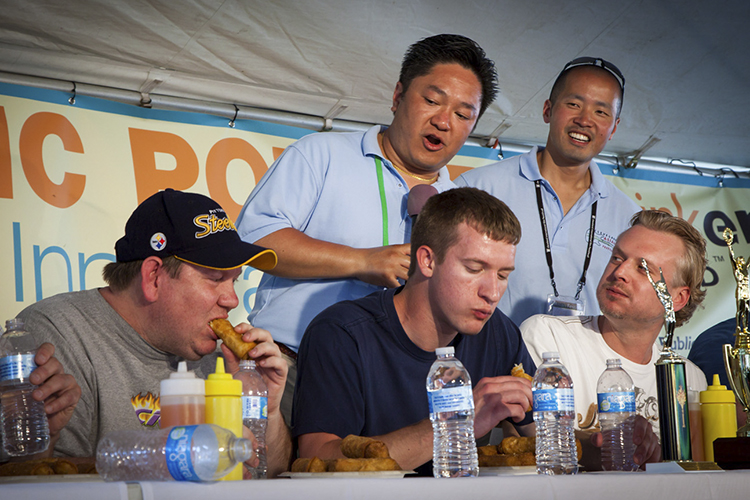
<point x="418" y="196"/>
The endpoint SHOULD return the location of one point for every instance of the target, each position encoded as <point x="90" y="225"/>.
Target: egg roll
<point x="308" y="465"/>
<point x="501" y="460"/>
<point x="32" y="468"/>
<point x="363" y="447"/>
<point x="300" y="465"/>
<point x="61" y="466"/>
<point x="343" y="465"/>
<point x="378" y="464"/>
<point x="487" y="450"/>
<point x="225" y="331"/>
<point x="494" y="460"/>
<point x="517" y="444"/>
<point x="361" y="464"/>
<point x="87" y="467"/>
<point x="517" y="371"/>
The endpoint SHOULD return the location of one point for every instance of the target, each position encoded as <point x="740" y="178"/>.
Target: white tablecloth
<point x="727" y="485"/>
<point x="631" y="486"/>
<point x="66" y="488"/>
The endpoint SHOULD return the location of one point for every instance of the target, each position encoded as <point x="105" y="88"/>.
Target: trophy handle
<point x="729" y="355"/>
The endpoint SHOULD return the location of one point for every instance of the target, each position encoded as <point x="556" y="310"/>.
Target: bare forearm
<point x="410" y="446"/>
<point x="279" y="444"/>
<point x="326" y="448"/>
<point x="303" y="257"/>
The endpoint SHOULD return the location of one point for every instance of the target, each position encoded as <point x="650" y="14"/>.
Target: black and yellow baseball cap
<point x="193" y="228"/>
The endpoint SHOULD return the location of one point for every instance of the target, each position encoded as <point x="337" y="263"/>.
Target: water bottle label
<point x="554" y="400"/>
<point x="17" y="367"/>
<point x="179" y="460"/>
<point x="451" y="399"/>
<point x="615" y="402"/>
<point x="254" y="407"/>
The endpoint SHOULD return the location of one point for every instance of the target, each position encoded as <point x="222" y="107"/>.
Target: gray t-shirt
<point x="119" y="372"/>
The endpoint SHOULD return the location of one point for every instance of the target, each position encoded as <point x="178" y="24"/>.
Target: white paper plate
<point x="518" y="470"/>
<point x="370" y="474"/>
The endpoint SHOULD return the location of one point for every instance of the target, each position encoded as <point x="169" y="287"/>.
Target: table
<point x="723" y="485"/>
<point x="67" y="487"/>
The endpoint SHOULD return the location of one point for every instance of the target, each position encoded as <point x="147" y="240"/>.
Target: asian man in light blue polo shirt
<point x="334" y="205"/>
<point x="570" y="214"/>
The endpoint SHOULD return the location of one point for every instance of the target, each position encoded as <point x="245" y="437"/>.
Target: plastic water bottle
<point x="183" y="453"/>
<point x="25" y="430"/>
<point x="616" y="403"/>
<point x="255" y="411"/>
<point x="554" y="416"/>
<point x="451" y="400"/>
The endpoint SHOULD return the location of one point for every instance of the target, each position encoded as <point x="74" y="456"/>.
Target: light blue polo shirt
<point x="326" y="186"/>
<point x="512" y="181"/>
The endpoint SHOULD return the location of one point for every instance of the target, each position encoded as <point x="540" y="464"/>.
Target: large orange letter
<point x="34" y="131"/>
<point x="6" y="177"/>
<point x="277" y="152"/>
<point x="148" y="179"/>
<point x="217" y="162"/>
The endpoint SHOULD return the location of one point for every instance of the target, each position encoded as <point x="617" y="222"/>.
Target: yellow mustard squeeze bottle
<point x="719" y="415"/>
<point x="224" y="407"/>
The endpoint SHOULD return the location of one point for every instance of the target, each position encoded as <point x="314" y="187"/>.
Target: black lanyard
<point x="548" y="247"/>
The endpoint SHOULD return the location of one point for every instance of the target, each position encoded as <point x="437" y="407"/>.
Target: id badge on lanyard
<point x="565" y="305"/>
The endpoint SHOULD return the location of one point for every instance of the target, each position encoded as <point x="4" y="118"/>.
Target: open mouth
<point x="213" y="333"/>
<point x="434" y="140"/>
<point x="579" y="137"/>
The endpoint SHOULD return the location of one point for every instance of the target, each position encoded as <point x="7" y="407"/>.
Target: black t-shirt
<point x="707" y="352"/>
<point x="359" y="373"/>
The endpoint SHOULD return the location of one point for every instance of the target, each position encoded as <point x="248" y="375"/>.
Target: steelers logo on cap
<point x="158" y="241"/>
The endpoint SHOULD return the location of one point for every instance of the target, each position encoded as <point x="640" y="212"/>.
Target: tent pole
<point x="231" y="111"/>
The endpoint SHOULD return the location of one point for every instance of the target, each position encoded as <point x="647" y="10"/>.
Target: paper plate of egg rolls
<point x="365" y="457"/>
<point x="49" y="470"/>
<point x="514" y="455"/>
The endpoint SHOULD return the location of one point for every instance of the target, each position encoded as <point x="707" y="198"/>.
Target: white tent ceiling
<point x="686" y="62"/>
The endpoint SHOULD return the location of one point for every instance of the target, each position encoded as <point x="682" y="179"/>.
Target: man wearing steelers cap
<point x="175" y="271"/>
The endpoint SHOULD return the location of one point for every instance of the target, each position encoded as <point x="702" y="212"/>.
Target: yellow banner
<point x="70" y="175"/>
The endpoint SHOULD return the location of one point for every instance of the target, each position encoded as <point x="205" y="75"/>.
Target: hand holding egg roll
<point x="233" y="340"/>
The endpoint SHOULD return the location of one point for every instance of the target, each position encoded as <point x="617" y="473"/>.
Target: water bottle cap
<point x="614" y="363"/>
<point x="247" y="363"/>
<point x="717" y="393"/>
<point x="442" y="351"/>
<point x="182" y="383"/>
<point x="14" y="324"/>
<point x="221" y="383"/>
<point x="242" y="449"/>
<point x="550" y="355"/>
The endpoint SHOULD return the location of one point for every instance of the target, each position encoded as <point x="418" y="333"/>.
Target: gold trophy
<point x="671" y="384"/>
<point x="737" y="358"/>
